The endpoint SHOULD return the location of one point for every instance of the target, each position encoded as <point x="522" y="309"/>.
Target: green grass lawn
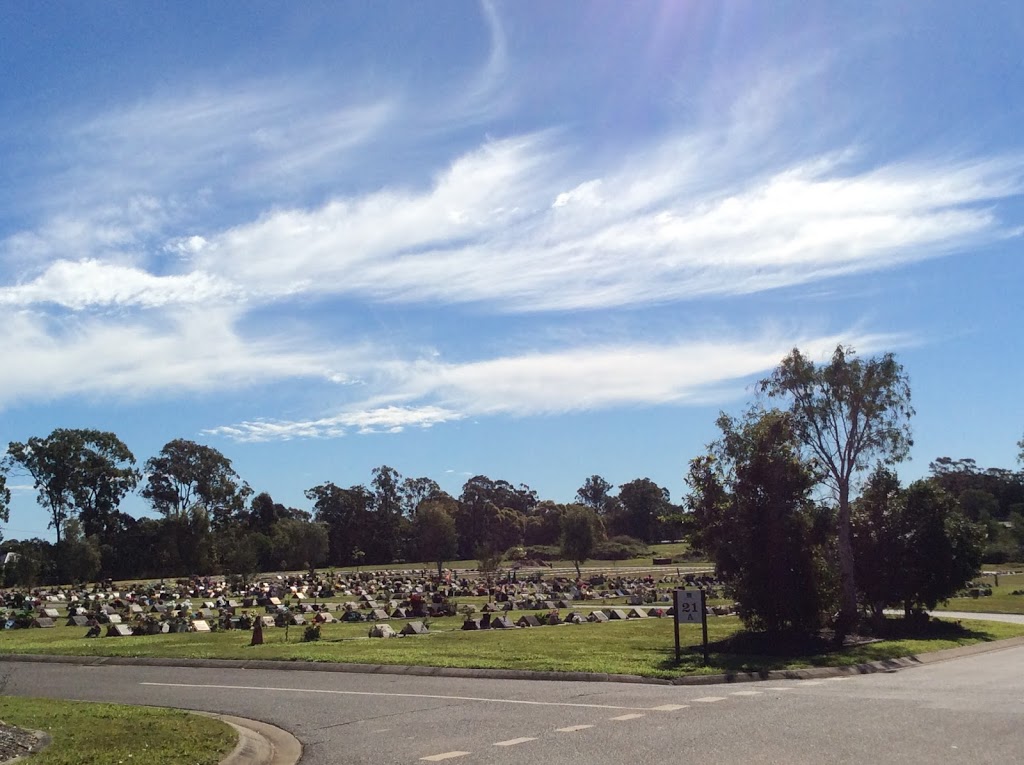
<point x="108" y="734"/>
<point x="640" y="647"/>
<point x="591" y="566"/>
<point x="1001" y="601"/>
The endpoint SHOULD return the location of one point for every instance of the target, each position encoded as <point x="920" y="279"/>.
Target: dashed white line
<point x="710" y="699"/>
<point x="445" y="756"/>
<point x="398" y="695"/>
<point x="513" y="741"/>
<point x="812" y="682"/>
<point x="626" y="717"/>
<point x="669" y="707"/>
<point x="786" y="688"/>
<point x="572" y="728"/>
<point x="747" y="693"/>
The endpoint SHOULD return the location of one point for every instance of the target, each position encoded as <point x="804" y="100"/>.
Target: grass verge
<point x="637" y="647"/>
<point x="1001" y="601"/>
<point x="85" y="733"/>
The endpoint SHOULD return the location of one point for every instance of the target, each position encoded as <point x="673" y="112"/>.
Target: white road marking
<point x="666" y="708"/>
<point x="669" y="707"/>
<point x="445" y="756"/>
<point x="786" y="688"/>
<point x="710" y="699"/>
<point x="572" y="728"/>
<point x="837" y="679"/>
<point x="633" y="716"/>
<point x="812" y="682"/>
<point x="513" y="741"/>
<point x="747" y="693"/>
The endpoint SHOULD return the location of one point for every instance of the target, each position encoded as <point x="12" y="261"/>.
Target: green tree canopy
<point x="300" y="544"/>
<point x="942" y="547"/>
<point x="433" y="530"/>
<point x="185" y="477"/>
<point x="878" y="546"/>
<point x="847" y="414"/>
<point x="491" y="516"/>
<point x="345" y="513"/>
<point x="642" y="503"/>
<point x="752" y="496"/>
<point x="580" y="534"/>
<point x="596" y="493"/>
<point x="416" y="490"/>
<point x="5" y="499"/>
<point x="76" y="471"/>
<point x="914" y="547"/>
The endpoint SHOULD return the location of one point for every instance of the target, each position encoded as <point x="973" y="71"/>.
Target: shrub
<point x="311" y="634"/>
<point x="621" y="547"/>
<point x="543" y="552"/>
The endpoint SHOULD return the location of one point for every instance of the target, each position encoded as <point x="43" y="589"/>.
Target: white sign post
<point x="689" y="608"/>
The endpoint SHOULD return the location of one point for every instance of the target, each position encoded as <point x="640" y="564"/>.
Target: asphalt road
<point x="968" y="710"/>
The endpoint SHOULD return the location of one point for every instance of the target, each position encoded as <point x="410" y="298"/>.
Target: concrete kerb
<point x="259" y="743"/>
<point x="885" y="665"/>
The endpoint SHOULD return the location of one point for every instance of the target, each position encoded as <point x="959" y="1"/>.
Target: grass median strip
<point x="638" y="647"/>
<point x="86" y="733"/>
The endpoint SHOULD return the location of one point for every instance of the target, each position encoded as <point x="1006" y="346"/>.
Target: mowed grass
<point x="109" y="734"/>
<point x="636" y="647"/>
<point x="1001" y="601"/>
<point x="593" y="566"/>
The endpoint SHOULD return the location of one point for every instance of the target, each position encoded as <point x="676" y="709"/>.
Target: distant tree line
<point x="208" y="520"/>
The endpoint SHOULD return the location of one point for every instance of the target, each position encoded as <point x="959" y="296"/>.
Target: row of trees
<point x="210" y="520"/>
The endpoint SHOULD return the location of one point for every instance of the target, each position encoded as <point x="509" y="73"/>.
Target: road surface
<point x="969" y="710"/>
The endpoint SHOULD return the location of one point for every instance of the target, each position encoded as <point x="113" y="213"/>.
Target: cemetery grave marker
<point x="415" y="628"/>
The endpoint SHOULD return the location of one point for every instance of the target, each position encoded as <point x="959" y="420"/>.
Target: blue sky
<point x="531" y="240"/>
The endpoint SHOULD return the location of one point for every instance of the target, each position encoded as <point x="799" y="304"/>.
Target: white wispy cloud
<point x="556" y="382"/>
<point x="487" y="90"/>
<point x="185" y="350"/>
<point x="519" y="224"/>
<point x="91" y="283"/>
<point x="390" y="419"/>
<point x="120" y="180"/>
<point x="392" y="233"/>
<point x="246" y="138"/>
<point x="115" y="231"/>
<point x="496" y="229"/>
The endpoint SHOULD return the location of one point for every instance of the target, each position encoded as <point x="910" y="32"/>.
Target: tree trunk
<point x="848" y="585"/>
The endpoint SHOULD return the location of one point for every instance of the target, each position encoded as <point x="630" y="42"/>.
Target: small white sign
<point x="690" y="606"/>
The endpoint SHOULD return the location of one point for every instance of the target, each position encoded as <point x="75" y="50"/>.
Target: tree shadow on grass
<point x="758" y="653"/>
